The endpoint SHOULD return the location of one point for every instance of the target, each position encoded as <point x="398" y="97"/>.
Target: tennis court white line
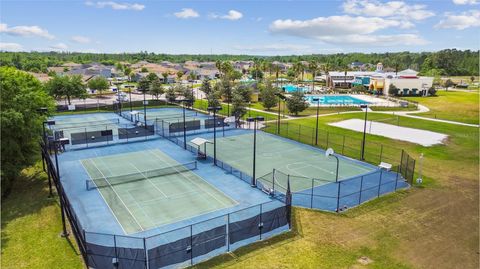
<point x="200" y="187"/>
<point x="111" y="210"/>
<point x="148" y="179"/>
<point x="100" y="159"/>
<point x="141" y="208"/>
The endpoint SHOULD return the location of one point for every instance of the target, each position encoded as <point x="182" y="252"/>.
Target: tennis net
<point x="103" y="182"/>
<point x="66" y="124"/>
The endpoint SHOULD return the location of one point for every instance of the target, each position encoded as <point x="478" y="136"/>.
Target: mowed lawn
<point x="451" y="105"/>
<point x="431" y="226"/>
<point x="31" y="227"/>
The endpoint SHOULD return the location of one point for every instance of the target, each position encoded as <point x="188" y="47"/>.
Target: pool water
<point x="335" y="100"/>
<point x="289" y="88"/>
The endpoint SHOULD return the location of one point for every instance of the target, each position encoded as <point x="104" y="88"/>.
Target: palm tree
<point x="179" y="76"/>
<point x="165" y="77"/>
<point x="313" y="66"/>
<point x="128" y="72"/>
<point x="218" y="65"/>
<point x="276" y="68"/>
<point x="298" y="68"/>
<point x="326" y="69"/>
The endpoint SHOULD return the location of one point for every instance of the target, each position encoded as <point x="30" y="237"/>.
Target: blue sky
<point x="239" y="27"/>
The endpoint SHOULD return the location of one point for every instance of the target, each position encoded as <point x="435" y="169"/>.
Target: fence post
<point x="328" y="135"/>
<point x="260" y="225"/>
<point x="380" y="182"/>
<point x="413" y="171"/>
<point x="287" y="131"/>
<point x="86" y="137"/>
<point x="313" y="135"/>
<point x="115" y="250"/>
<point x="399" y="170"/>
<point x="191" y="244"/>
<point x="381" y="152"/>
<point x="273" y="181"/>
<point x="146" y="253"/>
<point x="311" y="197"/>
<point x="228" y="232"/>
<point x="361" y="187"/>
<point x="338" y="197"/>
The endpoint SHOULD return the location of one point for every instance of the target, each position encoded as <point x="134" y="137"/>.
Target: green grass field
<point x="203" y="104"/>
<point x="430" y="226"/>
<point x="307" y="112"/>
<point x="451" y="105"/>
<point x="31" y="227"/>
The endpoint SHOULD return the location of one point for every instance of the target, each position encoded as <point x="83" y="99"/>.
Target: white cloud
<point x="465" y="2"/>
<point x="348" y="30"/>
<point x="80" y="39"/>
<point x="10" y="46"/>
<point x="186" y="13"/>
<point x="232" y="15"/>
<point x="375" y="40"/>
<point x="334" y="26"/>
<point x="394" y="9"/>
<point x="460" y="21"/>
<point x="25" y="31"/>
<point x="272" y="47"/>
<point x="116" y="6"/>
<point x="59" y="46"/>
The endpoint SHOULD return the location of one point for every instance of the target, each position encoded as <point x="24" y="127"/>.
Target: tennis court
<point x="286" y="156"/>
<point x="77" y="121"/>
<point x="164" y="113"/>
<point x="145" y="189"/>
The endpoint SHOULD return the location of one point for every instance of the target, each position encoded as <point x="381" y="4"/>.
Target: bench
<point x="385" y="166"/>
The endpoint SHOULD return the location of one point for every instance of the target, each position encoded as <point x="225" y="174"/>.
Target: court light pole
<point x="183" y="101"/>
<point x="364" y="130"/>
<point x="119" y="100"/>
<point x="254" y="120"/>
<point x="130" y="98"/>
<point x="280" y="98"/>
<point x="145" y="108"/>
<point x="214" y="109"/>
<point x="316" y="99"/>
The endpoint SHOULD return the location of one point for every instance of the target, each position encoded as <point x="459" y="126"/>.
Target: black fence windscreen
<point x="189" y="126"/>
<point x="92" y="137"/>
<point x="137" y="131"/>
<point x="210" y="123"/>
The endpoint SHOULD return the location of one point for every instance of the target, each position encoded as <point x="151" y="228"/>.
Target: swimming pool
<point x="335" y="100"/>
<point x="292" y="88"/>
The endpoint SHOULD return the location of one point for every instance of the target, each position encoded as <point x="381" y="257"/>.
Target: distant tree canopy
<point x="447" y="62"/>
<point x="66" y="87"/>
<point x="99" y="84"/>
<point x="21" y="97"/>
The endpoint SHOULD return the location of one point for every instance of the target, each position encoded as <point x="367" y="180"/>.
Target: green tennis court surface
<point x="83" y="121"/>
<point x="288" y="157"/>
<point x="146" y="200"/>
<point x="167" y="114"/>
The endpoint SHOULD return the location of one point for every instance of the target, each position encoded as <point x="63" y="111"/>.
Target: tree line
<point x="450" y="62"/>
